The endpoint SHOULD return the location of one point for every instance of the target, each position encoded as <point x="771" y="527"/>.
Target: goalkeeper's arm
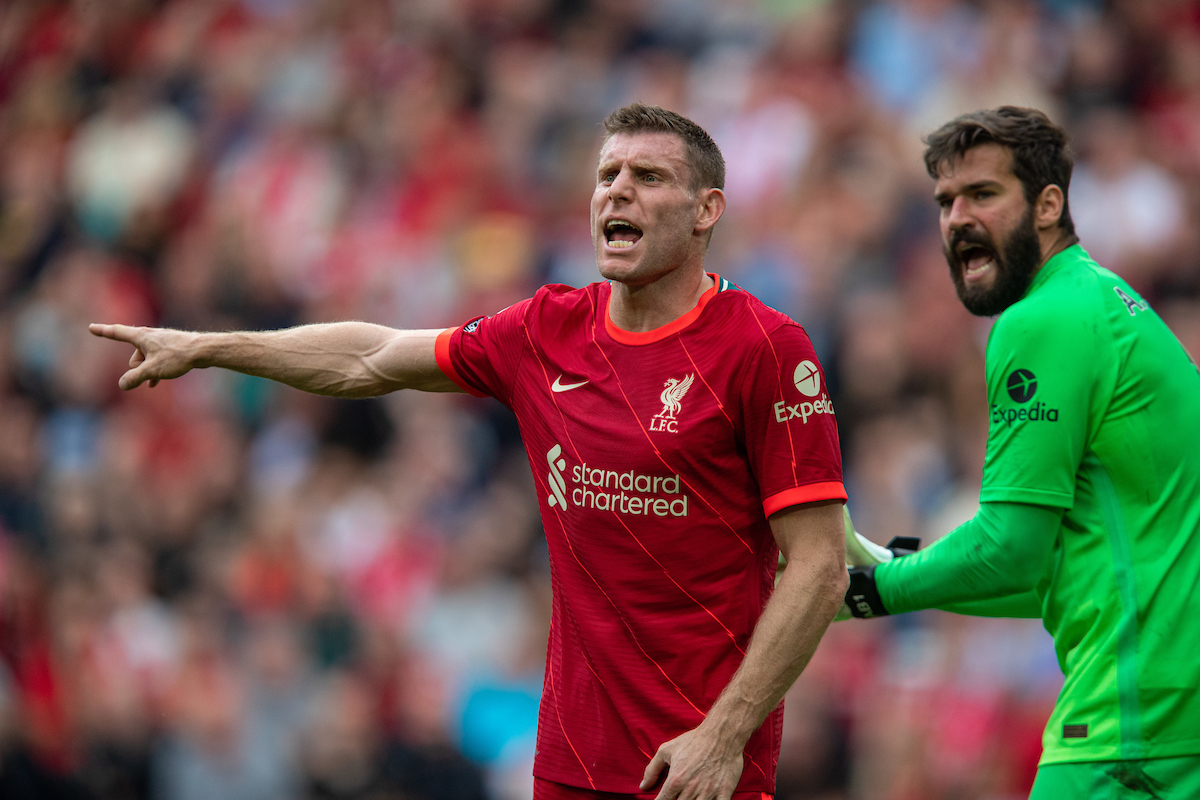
<point x="1026" y="604"/>
<point x="989" y="566"/>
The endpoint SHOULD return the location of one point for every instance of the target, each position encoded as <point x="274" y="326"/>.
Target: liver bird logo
<point x="672" y="395"/>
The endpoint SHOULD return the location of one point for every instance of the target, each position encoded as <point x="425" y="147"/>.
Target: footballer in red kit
<point x="658" y="457"/>
<point x="681" y="437"/>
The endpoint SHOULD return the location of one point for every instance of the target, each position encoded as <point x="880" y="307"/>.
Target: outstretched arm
<point x="862" y="552"/>
<point x="1023" y="605"/>
<point x="989" y="566"/>
<point x="707" y="762"/>
<point x="346" y="359"/>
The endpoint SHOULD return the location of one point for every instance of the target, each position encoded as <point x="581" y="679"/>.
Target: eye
<point x="608" y="177"/>
<point x="650" y="178"/>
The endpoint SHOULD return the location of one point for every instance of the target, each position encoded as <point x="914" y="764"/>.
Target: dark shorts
<point x="549" y="790"/>
<point x="1150" y="779"/>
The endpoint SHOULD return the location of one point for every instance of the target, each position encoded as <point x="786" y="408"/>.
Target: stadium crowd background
<point x="224" y="588"/>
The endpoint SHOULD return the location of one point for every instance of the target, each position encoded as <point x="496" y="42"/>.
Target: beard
<point x="1016" y="262"/>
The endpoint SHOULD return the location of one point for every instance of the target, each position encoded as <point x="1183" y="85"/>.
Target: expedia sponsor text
<point x="784" y="412"/>
<point x="1037" y="413"/>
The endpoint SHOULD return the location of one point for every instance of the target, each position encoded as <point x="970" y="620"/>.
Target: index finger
<point x="120" y="333"/>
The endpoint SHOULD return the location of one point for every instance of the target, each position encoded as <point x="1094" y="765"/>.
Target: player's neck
<point x="638" y="309"/>
<point x="1053" y="242"/>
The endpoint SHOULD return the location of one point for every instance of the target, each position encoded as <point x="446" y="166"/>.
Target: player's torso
<point x="1129" y="548"/>
<point x="1139" y="475"/>
<point x="654" y="458"/>
<point x="656" y="534"/>
<point x="644" y="437"/>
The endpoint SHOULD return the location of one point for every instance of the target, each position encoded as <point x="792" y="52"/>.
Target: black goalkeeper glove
<point x="862" y="598"/>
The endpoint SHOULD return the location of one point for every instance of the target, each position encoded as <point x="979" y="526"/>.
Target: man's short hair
<point x="705" y="162"/>
<point x="1041" y="151"/>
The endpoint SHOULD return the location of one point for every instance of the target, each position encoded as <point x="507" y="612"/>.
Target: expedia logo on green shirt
<point x="1022" y="385"/>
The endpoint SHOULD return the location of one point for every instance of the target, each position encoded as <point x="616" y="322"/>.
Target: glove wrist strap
<point x="863" y="595"/>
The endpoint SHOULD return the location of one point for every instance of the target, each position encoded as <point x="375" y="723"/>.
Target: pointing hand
<point x="159" y="353"/>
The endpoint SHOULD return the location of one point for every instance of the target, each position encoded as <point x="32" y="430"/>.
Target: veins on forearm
<point x="311" y="358"/>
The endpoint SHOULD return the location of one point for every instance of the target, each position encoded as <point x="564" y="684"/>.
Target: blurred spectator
<point x="1128" y="211"/>
<point x="126" y="162"/>
<point x="905" y="49"/>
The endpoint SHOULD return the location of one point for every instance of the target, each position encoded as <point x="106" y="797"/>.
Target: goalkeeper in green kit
<point x="1089" y="513"/>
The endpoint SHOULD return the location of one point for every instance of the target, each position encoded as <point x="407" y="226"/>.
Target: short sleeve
<point x="1043" y="371"/>
<point x="482" y="356"/>
<point x="789" y="427"/>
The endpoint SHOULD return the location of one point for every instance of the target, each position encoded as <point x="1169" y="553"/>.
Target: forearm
<point x="346" y="359"/>
<point x="1000" y="553"/>
<point x="787" y="634"/>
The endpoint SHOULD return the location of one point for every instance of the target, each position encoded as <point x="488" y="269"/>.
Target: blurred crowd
<point x="221" y="588"/>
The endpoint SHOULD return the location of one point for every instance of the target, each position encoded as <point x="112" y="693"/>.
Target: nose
<point x="958" y="216"/>
<point x="621" y="189"/>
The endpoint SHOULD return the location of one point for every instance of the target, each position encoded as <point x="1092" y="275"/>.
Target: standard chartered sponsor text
<point x="606" y="490"/>
<point x="625" y="492"/>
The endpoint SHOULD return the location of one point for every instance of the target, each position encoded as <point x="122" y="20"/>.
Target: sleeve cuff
<point x="441" y="351"/>
<point x="811" y="493"/>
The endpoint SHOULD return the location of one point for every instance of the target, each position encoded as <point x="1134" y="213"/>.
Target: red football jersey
<point x="657" y="457"/>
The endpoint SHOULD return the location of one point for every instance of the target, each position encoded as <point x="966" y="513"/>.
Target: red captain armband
<point x="441" y="351"/>
<point x="809" y="493"/>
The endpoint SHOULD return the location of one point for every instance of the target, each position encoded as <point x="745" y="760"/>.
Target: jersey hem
<point x="747" y="786"/>
<point x="1185" y="747"/>
<point x="441" y="351"/>
<point x="811" y="493"/>
<point x="650" y="337"/>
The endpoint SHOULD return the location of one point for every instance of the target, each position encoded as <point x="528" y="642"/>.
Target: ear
<point x="1048" y="207"/>
<point x="711" y="207"/>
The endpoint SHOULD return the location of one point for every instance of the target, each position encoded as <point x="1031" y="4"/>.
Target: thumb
<point x="650" y="776"/>
<point x="134" y="378"/>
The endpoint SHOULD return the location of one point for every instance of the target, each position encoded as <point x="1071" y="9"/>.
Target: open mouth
<point x="976" y="260"/>
<point x="620" y="234"/>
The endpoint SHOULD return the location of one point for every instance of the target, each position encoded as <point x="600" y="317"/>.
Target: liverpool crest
<point x="672" y="400"/>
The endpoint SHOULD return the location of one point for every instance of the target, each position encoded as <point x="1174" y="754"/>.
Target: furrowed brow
<point x="944" y="195"/>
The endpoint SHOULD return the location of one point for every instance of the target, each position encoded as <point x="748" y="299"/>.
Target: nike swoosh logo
<point x="560" y="387"/>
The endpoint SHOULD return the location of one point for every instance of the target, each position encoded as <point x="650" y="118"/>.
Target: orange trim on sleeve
<point x="441" y="351"/>
<point x="648" y="337"/>
<point x="812" y="493"/>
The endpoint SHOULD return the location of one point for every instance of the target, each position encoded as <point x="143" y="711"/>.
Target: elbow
<point x="1002" y="576"/>
<point x="359" y="381"/>
<point x="839" y="582"/>
<point x="831" y="580"/>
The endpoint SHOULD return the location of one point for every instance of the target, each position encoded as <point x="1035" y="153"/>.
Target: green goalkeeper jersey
<point x="1095" y="408"/>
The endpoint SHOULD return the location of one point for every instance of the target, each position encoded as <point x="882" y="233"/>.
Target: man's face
<point x="988" y="232"/>
<point x="644" y="212"/>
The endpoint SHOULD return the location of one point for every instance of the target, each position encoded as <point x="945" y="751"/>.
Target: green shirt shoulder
<point x="1050" y="362"/>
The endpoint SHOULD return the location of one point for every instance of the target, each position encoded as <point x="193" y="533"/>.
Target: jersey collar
<point x="675" y="326"/>
<point x="1061" y="259"/>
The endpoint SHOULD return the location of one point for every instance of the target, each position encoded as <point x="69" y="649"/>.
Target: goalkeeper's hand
<point x="862" y="556"/>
